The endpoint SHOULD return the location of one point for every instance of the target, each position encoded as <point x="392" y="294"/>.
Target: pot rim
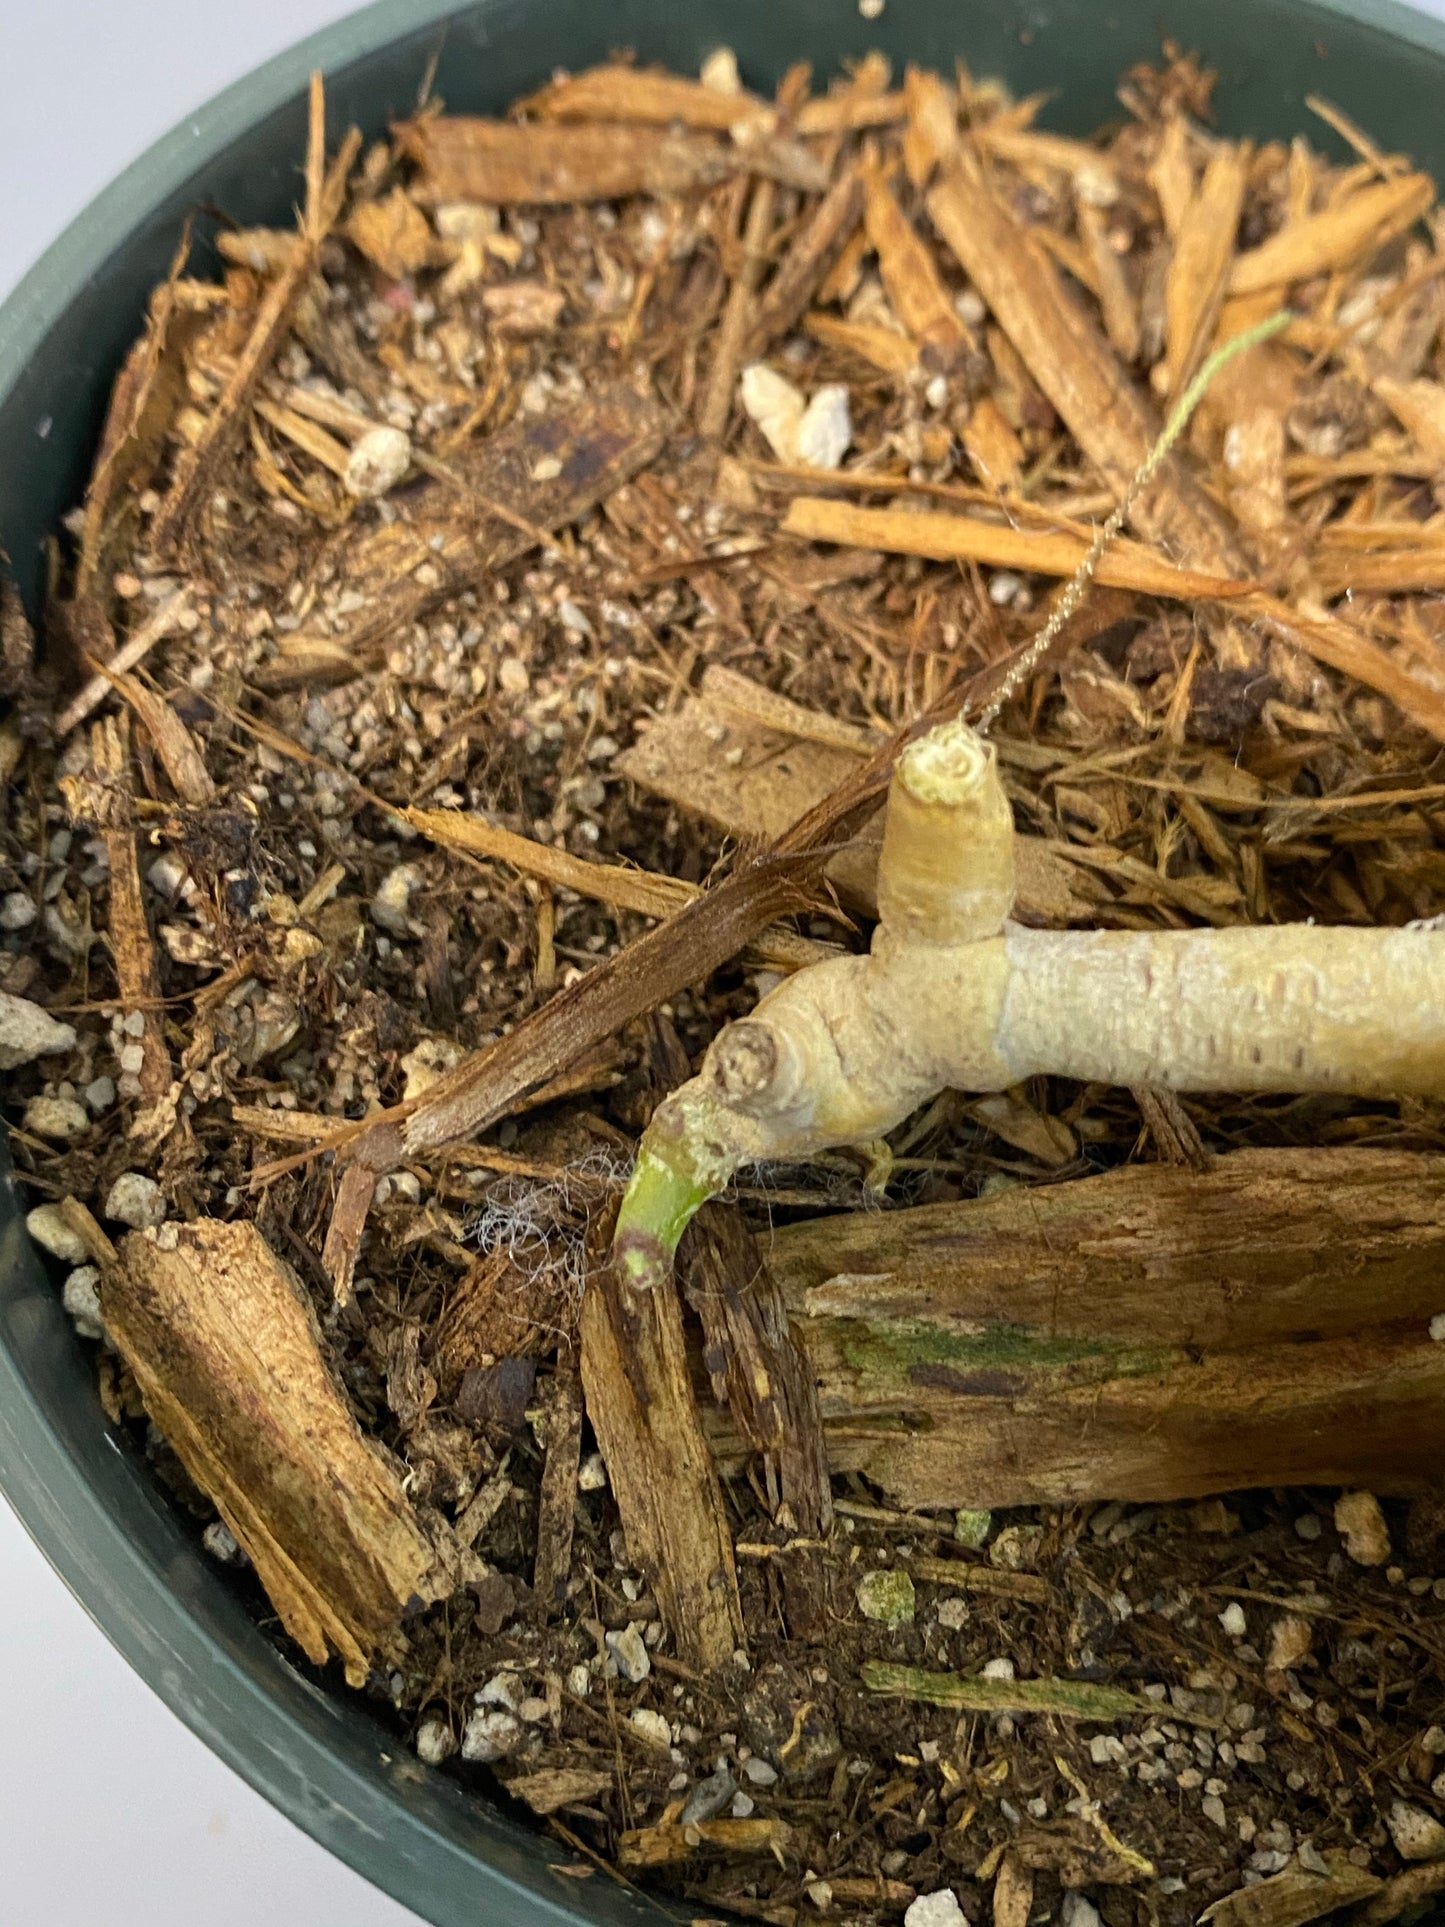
<point x="330" y="1767"/>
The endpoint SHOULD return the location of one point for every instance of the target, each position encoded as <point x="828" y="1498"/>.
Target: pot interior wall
<point x="80" y="1489"/>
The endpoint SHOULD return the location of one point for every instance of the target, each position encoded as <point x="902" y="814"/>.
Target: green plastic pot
<point x="306" y="1744"/>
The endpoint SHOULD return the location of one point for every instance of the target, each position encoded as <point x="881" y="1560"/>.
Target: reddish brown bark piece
<point x="1071" y="362"/>
<point x="640" y="1402"/>
<point x="814" y="249"/>
<point x="225" y="1349"/>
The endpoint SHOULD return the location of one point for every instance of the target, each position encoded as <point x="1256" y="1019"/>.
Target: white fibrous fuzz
<point x="28" y="1032"/>
<point x="136" y="1200"/>
<point x="378" y="461"/>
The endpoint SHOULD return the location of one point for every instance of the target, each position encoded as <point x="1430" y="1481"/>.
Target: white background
<point x="111" y="1814"/>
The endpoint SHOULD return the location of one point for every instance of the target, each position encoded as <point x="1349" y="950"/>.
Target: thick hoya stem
<point x="951" y="995"/>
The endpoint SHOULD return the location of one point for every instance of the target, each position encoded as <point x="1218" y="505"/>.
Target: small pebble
<point x="870" y="10"/>
<point x="1004" y="587"/>
<point x="17" y="910"/>
<point x="377" y="462"/>
<point x="1437" y="1786"/>
<point x="579" y="1682"/>
<point x="492" y="1733"/>
<point x="222" y="1544"/>
<point x="100" y="1095"/>
<point x="1432" y="1741"/>
<point x="759" y="1771"/>
<point x="1361" y="1524"/>
<point x="629" y="1650"/>
<point x="1308" y="1526"/>
<point x="502" y="1689"/>
<point x="136" y="1200"/>
<point x="1417" y="1835"/>
<point x="592" y="1474"/>
<point x="652" y="1727"/>
<point x="999" y="1669"/>
<point x="719" y="72"/>
<point x="1016" y="1549"/>
<point x="392" y="901"/>
<point x="80" y="1296"/>
<point x="28" y="1032"/>
<point x="940" y="1909"/>
<point x="742" y="1806"/>
<point x="1289" y="1642"/>
<point x="826" y="429"/>
<point x="1437" y="1323"/>
<point x="972" y="1528"/>
<point x="1212" y="1807"/>
<point x="1077" y="1911"/>
<point x="56" y="1117"/>
<point x="953" y="1614"/>
<point x="533" y="1710"/>
<point x="435" y="1740"/>
<point x="887" y="1597"/>
<point x="1310" y="1858"/>
<point x="708" y="1798"/>
<point x="512" y="675"/>
<point x="969" y="307"/>
<point x="51" y="1232"/>
<point x="1233" y="1621"/>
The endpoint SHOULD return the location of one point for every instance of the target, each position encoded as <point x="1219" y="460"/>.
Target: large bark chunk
<point x="224" y="1347"/>
<point x="1152" y="1333"/>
